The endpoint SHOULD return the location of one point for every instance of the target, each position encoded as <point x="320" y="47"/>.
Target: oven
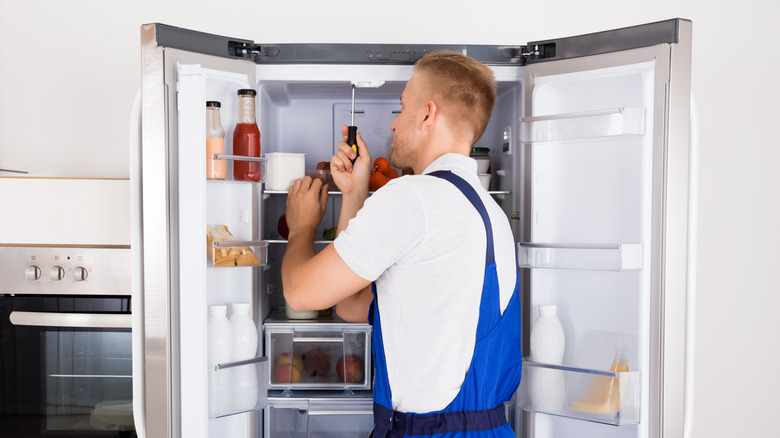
<point x="65" y="342"/>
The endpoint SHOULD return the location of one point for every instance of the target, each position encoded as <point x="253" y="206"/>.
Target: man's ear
<point x="431" y="114"/>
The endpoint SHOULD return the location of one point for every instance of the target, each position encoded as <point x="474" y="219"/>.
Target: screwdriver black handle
<point x="352" y="141"/>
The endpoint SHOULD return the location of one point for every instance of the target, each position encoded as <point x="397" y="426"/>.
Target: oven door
<point x="65" y="366"/>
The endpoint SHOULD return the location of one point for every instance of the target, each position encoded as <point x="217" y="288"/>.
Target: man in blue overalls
<point x="428" y="259"/>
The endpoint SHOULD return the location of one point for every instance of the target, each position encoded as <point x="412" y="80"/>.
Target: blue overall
<point x="477" y="411"/>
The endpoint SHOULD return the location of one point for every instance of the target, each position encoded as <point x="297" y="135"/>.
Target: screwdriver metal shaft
<point x="352" y="129"/>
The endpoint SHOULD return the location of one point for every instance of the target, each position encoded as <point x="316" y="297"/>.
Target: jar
<point x="482" y="156"/>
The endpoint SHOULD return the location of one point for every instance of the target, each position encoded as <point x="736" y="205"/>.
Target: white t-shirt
<point x="424" y="244"/>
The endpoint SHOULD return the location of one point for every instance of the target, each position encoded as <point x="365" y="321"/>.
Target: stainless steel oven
<point x="65" y="342"/>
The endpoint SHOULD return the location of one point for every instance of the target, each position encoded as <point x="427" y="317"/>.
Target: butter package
<point x="225" y="255"/>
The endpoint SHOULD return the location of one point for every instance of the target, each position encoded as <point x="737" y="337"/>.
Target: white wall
<point x="69" y="72"/>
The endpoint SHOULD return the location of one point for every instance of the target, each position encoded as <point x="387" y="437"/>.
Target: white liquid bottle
<point x="547" y="345"/>
<point x="219" y="351"/>
<point x="244" y="334"/>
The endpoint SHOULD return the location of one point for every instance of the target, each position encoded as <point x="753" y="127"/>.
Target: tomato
<point x="381" y="173"/>
<point x="382" y="165"/>
<point x="376" y="181"/>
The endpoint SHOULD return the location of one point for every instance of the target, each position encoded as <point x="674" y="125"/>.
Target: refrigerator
<point x="590" y="157"/>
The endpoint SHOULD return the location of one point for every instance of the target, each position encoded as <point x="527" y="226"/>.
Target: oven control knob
<point x="79" y="273"/>
<point x="33" y="272"/>
<point x="56" y="273"/>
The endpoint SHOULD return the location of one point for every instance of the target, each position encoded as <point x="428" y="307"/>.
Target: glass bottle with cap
<point x="246" y="138"/>
<point x="215" y="142"/>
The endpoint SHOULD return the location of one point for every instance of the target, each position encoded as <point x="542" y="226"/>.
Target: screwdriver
<point x="352" y="129"/>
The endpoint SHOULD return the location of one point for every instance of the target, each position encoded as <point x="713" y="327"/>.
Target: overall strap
<point x="473" y="197"/>
<point x="490" y="302"/>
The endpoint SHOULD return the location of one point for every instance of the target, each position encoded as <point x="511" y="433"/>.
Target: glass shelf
<point x="615" y="257"/>
<point x="583" y="125"/>
<point x="239" y="253"/>
<point x="331" y="193"/>
<point x="608" y="397"/>
<point x="316" y="242"/>
<point x="232" y="390"/>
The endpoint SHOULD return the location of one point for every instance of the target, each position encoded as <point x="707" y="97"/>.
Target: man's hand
<point x="351" y="178"/>
<point x="307" y="201"/>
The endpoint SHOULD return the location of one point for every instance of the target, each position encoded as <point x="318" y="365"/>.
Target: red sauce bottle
<point x="246" y="138"/>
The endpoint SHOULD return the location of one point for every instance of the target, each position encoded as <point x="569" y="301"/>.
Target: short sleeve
<point x="391" y="222"/>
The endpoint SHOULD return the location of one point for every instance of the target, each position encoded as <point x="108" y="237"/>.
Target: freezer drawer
<point x="318" y="355"/>
<point x="338" y="417"/>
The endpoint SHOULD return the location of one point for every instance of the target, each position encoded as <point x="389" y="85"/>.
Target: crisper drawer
<point x="319" y="417"/>
<point x="319" y="356"/>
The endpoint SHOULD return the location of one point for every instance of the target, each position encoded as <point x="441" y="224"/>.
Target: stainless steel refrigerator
<point x="590" y="156"/>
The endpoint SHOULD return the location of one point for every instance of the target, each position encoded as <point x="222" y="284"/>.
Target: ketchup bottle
<point x="246" y="138"/>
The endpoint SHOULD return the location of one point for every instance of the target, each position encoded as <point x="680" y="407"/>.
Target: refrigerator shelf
<point x="284" y="241"/>
<point x="607" y="397"/>
<point x="261" y="160"/>
<point x="583" y="125"/>
<point x="608" y="257"/>
<point x="238" y="253"/>
<point x="231" y="388"/>
<point x="337" y="193"/>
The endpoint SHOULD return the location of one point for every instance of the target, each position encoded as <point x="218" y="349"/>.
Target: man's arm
<point x="320" y="281"/>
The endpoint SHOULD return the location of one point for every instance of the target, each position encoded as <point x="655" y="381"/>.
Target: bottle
<point x="219" y="352"/>
<point x="244" y="335"/>
<point x="246" y="138"/>
<point x="547" y="346"/>
<point x="215" y="142"/>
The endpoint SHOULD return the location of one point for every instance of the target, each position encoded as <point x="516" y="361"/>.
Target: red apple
<point x="286" y="358"/>
<point x="288" y="368"/>
<point x="316" y="362"/>
<point x="281" y="226"/>
<point x="287" y="373"/>
<point x="350" y="369"/>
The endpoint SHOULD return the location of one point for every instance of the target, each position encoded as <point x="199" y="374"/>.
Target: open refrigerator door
<point x="605" y="204"/>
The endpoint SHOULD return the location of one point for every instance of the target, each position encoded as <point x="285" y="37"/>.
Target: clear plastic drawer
<point x="319" y="417"/>
<point x="319" y="356"/>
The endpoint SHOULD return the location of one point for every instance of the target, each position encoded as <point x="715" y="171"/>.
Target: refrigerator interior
<point x="299" y="109"/>
<point x="590" y="174"/>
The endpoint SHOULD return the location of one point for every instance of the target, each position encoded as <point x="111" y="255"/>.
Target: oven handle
<point x="85" y="320"/>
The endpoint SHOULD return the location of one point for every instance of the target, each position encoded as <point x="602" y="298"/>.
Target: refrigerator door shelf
<point x="583" y="125"/>
<point x="239" y="254"/>
<point x="609" y="257"/>
<point x="261" y="160"/>
<point x="242" y="388"/>
<point x="608" y="397"/>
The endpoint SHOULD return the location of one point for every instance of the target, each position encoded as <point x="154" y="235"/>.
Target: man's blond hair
<point x="464" y="88"/>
